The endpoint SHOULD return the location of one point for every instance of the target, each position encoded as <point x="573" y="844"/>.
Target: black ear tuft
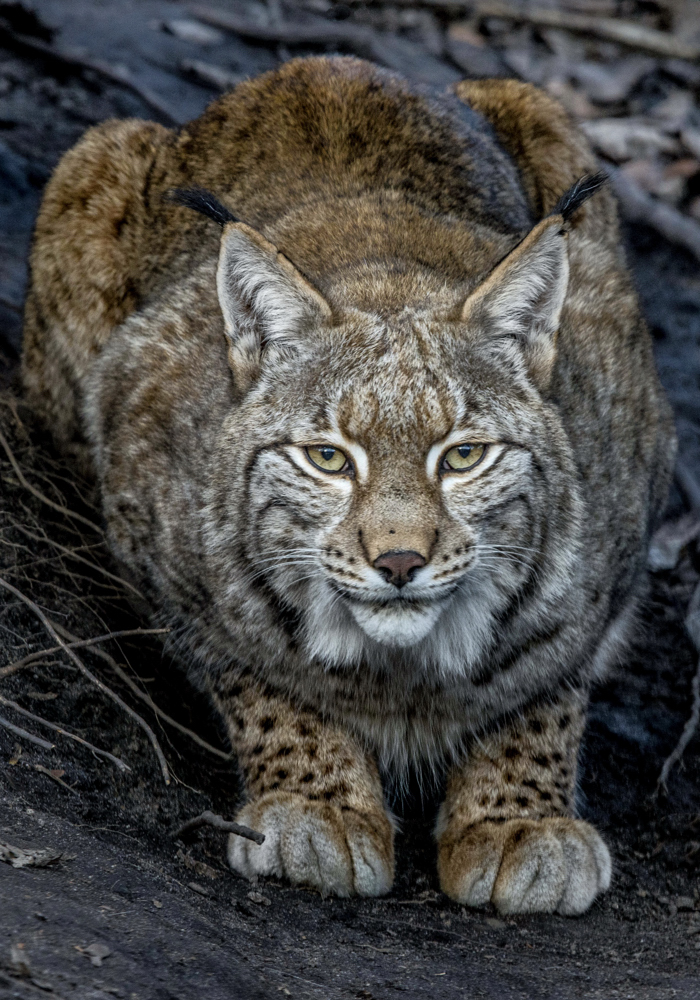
<point x="200" y="200"/>
<point x="580" y="192"/>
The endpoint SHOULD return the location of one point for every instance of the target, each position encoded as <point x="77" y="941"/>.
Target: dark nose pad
<point x="399" y="567"/>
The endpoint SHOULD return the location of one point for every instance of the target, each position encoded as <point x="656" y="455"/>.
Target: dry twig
<point x="32" y="658"/>
<point x="72" y="554"/>
<point x="610" y="29"/>
<point x="55" y="777"/>
<point x="50" y="628"/>
<point x="146" y="698"/>
<point x="64" y="732"/>
<point x="218" y="822"/>
<point x="692" y="623"/>
<point x="25" y="735"/>
<point x="39" y="495"/>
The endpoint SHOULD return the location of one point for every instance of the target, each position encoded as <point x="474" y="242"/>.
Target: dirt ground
<point x="128" y="910"/>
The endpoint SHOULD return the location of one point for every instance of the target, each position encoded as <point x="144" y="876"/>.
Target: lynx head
<point x="400" y="478"/>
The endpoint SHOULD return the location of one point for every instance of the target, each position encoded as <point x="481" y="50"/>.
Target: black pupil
<point x="464" y="450"/>
<point x="327" y="454"/>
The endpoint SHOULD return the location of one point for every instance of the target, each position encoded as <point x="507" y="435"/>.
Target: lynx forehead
<point x="376" y="427"/>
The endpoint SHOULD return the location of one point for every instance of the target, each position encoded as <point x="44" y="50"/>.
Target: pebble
<point x="257" y="897"/>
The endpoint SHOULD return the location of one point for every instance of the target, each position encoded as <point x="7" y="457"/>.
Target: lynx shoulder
<point x="377" y="429"/>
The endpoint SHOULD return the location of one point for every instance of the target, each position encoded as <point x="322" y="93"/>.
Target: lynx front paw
<point x="337" y="850"/>
<point x="525" y="866"/>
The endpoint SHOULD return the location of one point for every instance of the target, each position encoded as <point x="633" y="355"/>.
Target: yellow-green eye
<point x="463" y="456"/>
<point x="325" y="457"/>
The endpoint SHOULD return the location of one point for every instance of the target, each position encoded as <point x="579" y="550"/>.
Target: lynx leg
<point x="314" y="793"/>
<point x="506" y="831"/>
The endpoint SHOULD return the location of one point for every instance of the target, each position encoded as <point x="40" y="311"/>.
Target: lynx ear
<point x="517" y="308"/>
<point x="266" y="303"/>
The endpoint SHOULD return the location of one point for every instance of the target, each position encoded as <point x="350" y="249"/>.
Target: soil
<point x="176" y="922"/>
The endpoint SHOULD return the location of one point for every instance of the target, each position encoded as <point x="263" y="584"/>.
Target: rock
<point x="475" y="60"/>
<point x="622" y="139"/>
<point x="194" y="31"/>
<point x="612" y="82"/>
<point x="574" y="100"/>
<point x="652" y="176"/>
<point x="257" y="897"/>
<point x="670" y="540"/>
<point x="97" y="953"/>
<point x="675" y="110"/>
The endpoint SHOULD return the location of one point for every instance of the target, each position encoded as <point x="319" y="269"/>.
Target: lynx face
<point x="398" y="482"/>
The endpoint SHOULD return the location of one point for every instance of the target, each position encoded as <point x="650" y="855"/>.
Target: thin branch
<point x="64" y="732"/>
<point x="72" y="554"/>
<point x="87" y="673"/>
<point x="28" y="660"/>
<point x="146" y="698"/>
<point x="25" y="735"/>
<point x="39" y="495"/>
<point x="692" y="624"/>
<point x="211" y="819"/>
<point x="55" y="777"/>
<point x="610" y="29"/>
<point x="361" y="38"/>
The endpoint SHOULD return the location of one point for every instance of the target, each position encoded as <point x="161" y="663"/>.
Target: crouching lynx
<point x="378" y="432"/>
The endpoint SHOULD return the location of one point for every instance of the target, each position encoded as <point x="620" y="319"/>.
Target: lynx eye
<point x="462" y="457"/>
<point x="325" y="457"/>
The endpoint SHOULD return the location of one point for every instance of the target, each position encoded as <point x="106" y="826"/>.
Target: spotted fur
<point x="405" y="278"/>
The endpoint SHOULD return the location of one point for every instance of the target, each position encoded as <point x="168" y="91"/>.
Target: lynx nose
<point x="399" y="566"/>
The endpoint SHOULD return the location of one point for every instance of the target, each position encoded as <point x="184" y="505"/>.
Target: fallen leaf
<point x="16" y="756"/>
<point x="157" y="903"/>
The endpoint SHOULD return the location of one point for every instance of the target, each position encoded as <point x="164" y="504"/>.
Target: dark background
<point x="176" y="922"/>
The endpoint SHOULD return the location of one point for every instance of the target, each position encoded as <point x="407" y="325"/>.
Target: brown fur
<point x="370" y="297"/>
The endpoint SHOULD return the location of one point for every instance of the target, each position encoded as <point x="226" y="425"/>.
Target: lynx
<point x="376" y="426"/>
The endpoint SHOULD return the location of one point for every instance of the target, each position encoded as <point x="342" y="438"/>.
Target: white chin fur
<point x="435" y="637"/>
<point x="396" y="625"/>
